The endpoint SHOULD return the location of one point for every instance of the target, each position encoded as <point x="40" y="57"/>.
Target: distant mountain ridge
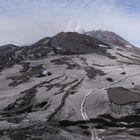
<point x="110" y="38"/>
<point x="7" y="48"/>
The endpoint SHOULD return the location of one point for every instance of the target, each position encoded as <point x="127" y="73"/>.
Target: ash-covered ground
<point x="85" y="96"/>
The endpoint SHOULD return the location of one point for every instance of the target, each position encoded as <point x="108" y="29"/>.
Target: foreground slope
<point x="92" y="93"/>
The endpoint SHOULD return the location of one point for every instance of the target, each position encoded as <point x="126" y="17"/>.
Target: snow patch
<point x="59" y="48"/>
<point x="128" y="46"/>
<point x="104" y="46"/>
<point x="45" y="72"/>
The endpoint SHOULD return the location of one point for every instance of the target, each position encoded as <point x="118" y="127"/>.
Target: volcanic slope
<point x="79" y="99"/>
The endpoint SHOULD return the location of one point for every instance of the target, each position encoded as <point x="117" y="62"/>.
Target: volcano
<point x="90" y="89"/>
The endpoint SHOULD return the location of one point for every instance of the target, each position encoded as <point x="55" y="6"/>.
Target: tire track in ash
<point x="94" y="133"/>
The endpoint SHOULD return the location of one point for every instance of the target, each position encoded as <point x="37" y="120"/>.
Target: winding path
<point x="94" y="133"/>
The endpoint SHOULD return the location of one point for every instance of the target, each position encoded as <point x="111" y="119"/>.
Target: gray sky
<point x="26" y="21"/>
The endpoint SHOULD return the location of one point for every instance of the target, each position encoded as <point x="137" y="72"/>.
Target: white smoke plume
<point x="74" y="27"/>
<point x="79" y="29"/>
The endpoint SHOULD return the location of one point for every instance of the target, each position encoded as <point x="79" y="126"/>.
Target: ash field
<point x="70" y="87"/>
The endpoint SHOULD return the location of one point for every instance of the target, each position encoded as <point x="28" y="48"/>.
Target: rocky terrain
<point x="110" y="38"/>
<point x="91" y="90"/>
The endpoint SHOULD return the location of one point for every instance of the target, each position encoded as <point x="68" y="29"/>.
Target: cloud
<point x="27" y="21"/>
<point x="27" y="30"/>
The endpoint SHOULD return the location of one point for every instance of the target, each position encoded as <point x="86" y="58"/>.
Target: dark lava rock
<point x="133" y="83"/>
<point x="8" y="56"/>
<point x="109" y="79"/>
<point x="9" y="48"/>
<point x="26" y="73"/>
<point x="66" y="61"/>
<point x="74" y="43"/>
<point x="123" y="73"/>
<point x="22" y="104"/>
<point x="92" y="72"/>
<point x="49" y="73"/>
<point x="122" y="96"/>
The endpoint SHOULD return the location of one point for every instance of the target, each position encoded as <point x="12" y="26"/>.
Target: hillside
<point x="70" y="87"/>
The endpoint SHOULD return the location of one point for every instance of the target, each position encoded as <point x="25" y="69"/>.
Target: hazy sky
<point x="26" y="21"/>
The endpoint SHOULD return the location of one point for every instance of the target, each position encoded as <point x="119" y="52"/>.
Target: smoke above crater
<point x="74" y="27"/>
